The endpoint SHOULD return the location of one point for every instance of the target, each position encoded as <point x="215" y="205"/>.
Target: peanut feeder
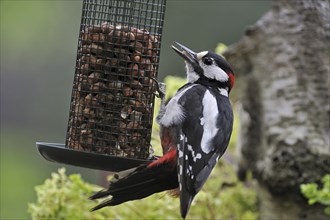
<point x="113" y="90"/>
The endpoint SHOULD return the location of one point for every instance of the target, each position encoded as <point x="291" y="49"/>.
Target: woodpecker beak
<point x="187" y="54"/>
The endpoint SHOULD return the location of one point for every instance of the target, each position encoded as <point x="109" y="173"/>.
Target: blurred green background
<point x="38" y="51"/>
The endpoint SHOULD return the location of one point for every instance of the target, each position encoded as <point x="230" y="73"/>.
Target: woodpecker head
<point x="206" y="65"/>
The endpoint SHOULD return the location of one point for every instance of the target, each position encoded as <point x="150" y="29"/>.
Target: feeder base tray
<point x="61" y="154"/>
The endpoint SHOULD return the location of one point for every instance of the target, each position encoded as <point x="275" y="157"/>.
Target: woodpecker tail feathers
<point x="185" y="202"/>
<point x="139" y="182"/>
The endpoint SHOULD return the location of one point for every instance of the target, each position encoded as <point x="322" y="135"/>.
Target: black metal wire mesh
<point x="113" y="91"/>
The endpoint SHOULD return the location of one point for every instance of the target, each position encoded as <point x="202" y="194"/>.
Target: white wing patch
<point x="210" y="117"/>
<point x="174" y="113"/>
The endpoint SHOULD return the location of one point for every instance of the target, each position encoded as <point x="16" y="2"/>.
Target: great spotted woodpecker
<point x="195" y="128"/>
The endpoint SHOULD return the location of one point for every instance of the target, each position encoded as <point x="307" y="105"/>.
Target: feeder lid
<point x="61" y="154"/>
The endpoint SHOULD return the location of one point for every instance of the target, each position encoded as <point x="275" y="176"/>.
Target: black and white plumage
<point x="204" y="130"/>
<point x="202" y="113"/>
<point x="195" y="129"/>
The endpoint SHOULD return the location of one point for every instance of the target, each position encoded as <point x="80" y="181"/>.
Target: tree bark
<point x="282" y="63"/>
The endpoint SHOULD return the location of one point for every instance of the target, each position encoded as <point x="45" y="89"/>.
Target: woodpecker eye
<point x="207" y="60"/>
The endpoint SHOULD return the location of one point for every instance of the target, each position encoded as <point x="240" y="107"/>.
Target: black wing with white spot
<point x="202" y="138"/>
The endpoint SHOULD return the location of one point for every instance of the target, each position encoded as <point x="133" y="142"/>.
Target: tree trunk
<point x="282" y="64"/>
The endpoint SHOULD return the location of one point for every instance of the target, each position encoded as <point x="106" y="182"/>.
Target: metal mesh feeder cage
<point x="112" y="102"/>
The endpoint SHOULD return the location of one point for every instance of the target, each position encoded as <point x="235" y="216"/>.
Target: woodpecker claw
<point x="160" y="88"/>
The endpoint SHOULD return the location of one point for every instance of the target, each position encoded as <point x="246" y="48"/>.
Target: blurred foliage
<point x="222" y="197"/>
<point x="314" y="194"/>
<point x="220" y="48"/>
<point x="62" y="196"/>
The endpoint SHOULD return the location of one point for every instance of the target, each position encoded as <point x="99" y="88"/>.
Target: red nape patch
<point x="232" y="79"/>
<point x="170" y="156"/>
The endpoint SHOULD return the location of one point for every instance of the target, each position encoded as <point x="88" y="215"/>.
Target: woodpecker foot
<point x="160" y="88"/>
